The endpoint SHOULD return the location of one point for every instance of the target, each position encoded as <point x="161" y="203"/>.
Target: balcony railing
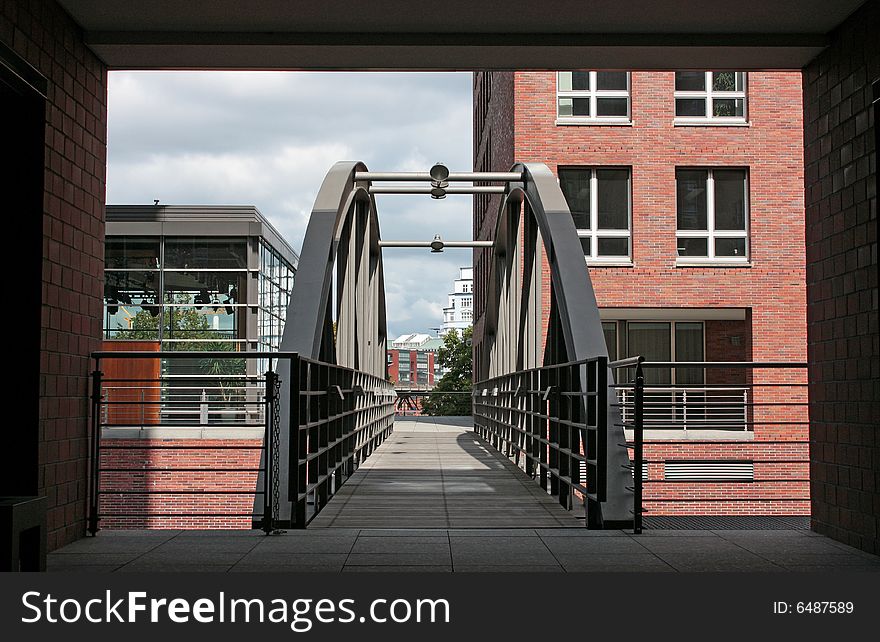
<point x="689" y="407"/>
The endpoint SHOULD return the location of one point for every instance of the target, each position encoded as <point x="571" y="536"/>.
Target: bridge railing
<point x="203" y="451"/>
<point x="343" y="416"/>
<point x="551" y="421"/>
<point x="729" y="445"/>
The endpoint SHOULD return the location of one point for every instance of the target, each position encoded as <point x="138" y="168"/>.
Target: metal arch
<point x="535" y="222"/>
<point x="343" y="234"/>
<point x="340" y="252"/>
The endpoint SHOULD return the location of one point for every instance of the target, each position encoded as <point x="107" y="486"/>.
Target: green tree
<point x="455" y="355"/>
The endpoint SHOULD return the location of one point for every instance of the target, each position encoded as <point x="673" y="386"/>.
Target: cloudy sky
<point x="267" y="139"/>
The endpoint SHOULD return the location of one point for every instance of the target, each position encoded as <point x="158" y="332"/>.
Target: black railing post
<point x="638" y="446"/>
<point x="269" y="459"/>
<point x="96" y="447"/>
<point x="296" y="476"/>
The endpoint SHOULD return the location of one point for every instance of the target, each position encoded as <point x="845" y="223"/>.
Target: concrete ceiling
<point x="458" y="34"/>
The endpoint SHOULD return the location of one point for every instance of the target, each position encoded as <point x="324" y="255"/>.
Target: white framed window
<point x="710" y="97"/>
<point x="593" y="98"/>
<point x="712" y="215"/>
<point x="600" y="200"/>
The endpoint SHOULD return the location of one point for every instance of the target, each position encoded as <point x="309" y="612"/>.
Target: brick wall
<point x="158" y="458"/>
<point x="841" y="222"/>
<point x="771" y="289"/>
<point x="493" y="151"/>
<point x="42" y="34"/>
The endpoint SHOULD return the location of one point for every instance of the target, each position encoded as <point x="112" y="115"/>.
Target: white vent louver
<point x="710" y="470"/>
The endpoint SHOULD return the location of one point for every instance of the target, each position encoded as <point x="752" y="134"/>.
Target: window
<point x="713" y="215"/>
<point x="713" y="97"/>
<point x="591" y="97"/>
<point x="667" y="341"/>
<point x="600" y="204"/>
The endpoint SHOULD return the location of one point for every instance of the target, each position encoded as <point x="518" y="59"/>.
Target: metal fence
<point x="343" y="416"/>
<point x="172" y="437"/>
<point x="552" y="422"/>
<point x="771" y="396"/>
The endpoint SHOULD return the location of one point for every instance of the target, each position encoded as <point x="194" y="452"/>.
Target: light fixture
<point x="229" y="308"/>
<point x="437" y="244"/>
<point x="439" y="173"/>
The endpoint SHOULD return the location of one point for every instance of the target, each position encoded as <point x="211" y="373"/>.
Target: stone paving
<point x="460" y="550"/>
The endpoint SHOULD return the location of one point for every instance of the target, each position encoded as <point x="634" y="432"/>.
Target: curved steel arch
<point x="534" y="223"/>
<point x="336" y="312"/>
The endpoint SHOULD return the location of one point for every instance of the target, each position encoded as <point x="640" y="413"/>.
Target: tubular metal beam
<point x="428" y="243"/>
<point x="425" y="176"/>
<point x="476" y="189"/>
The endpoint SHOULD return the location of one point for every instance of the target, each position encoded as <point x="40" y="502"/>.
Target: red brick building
<point x="687" y="193"/>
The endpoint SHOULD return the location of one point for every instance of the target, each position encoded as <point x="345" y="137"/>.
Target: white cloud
<point x="268" y="138"/>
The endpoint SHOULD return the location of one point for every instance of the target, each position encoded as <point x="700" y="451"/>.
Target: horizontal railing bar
<point x="182" y="470"/>
<point x="724" y="364"/>
<point x="425" y="176"/>
<point x="212" y="354"/>
<point x="180" y="492"/>
<point x="178" y="447"/>
<point x="103" y="515"/>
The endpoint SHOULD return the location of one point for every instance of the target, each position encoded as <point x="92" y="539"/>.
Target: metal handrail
<point x="638" y="420"/>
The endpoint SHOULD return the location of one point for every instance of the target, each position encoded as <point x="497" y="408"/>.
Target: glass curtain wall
<point x="192" y="294"/>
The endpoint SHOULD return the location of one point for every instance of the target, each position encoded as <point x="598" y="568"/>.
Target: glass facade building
<point x="195" y="279"/>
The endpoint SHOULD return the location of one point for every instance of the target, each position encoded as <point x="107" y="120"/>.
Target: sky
<point x="268" y="138"/>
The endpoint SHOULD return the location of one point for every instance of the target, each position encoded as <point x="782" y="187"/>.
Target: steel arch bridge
<point x="543" y="399"/>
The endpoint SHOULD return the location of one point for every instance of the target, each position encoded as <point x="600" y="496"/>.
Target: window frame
<point x="594" y="233"/>
<point x="708" y="94"/>
<point x="593" y="94"/>
<point x="711" y="234"/>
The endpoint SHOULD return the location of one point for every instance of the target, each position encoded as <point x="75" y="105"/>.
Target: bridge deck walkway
<point x="435" y="472"/>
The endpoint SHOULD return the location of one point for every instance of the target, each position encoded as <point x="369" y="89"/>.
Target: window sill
<point x="714" y="264"/>
<point x="708" y="122"/>
<point x="588" y="121"/>
<point x="593" y="264"/>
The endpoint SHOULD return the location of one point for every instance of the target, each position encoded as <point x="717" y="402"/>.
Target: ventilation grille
<point x="710" y="470"/>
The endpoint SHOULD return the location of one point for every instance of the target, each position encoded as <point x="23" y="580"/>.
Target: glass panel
<point x="611" y="80"/>
<point x="730" y="207"/>
<point x="131" y="322"/>
<point x="580" y="80"/>
<point x="205" y="253"/>
<point x="613" y="197"/>
<point x="122" y="252"/>
<point x="727" y="81"/>
<point x="652" y="341"/>
<point x="575" y="185"/>
<point x="691" y="187"/>
<point x="609" y="329"/>
<point x="205" y="287"/>
<point x="730" y="247"/>
<point x="574" y="106"/>
<point x="693" y="247"/>
<point x="587" y="245"/>
<point x="613" y="246"/>
<point x="688" y="347"/>
<point x="202" y="323"/>
<point x="690" y="81"/>
<point x="728" y="107"/>
<point x="564" y="81"/>
<point x="690" y="107"/>
<point x="612" y="106"/>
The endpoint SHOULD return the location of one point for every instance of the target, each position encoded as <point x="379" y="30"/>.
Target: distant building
<point x="412" y="361"/>
<point x="459" y="314"/>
